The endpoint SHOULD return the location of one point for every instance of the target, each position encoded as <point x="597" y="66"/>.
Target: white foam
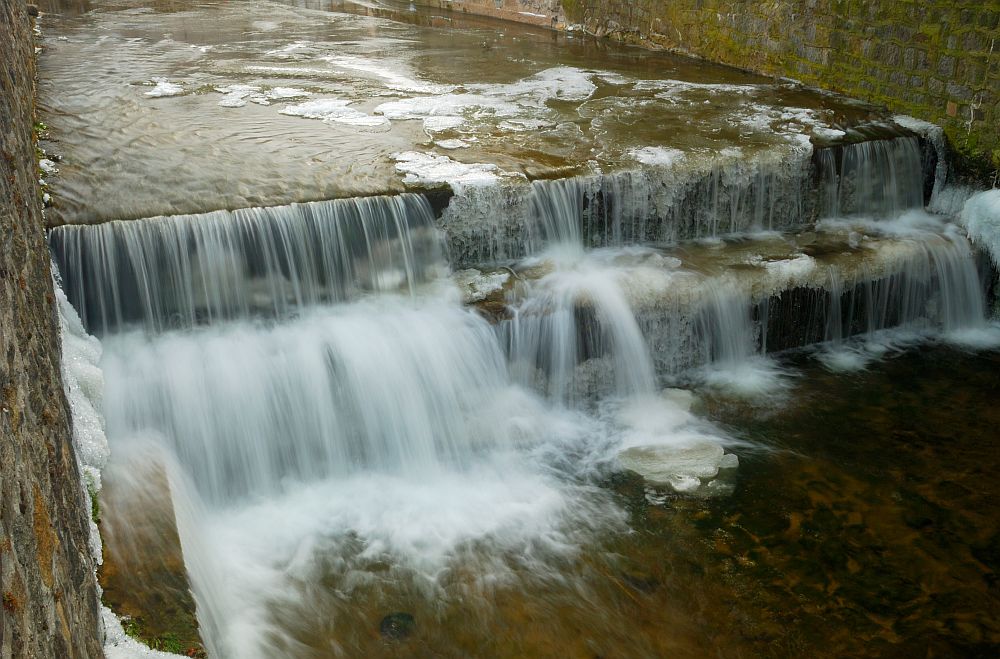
<point x="656" y="155"/>
<point x="334" y="111"/>
<point x="429" y="168"/>
<point x="164" y="88"/>
<point x="828" y="133"/>
<point x="452" y="144"/>
<point x="388" y="73"/>
<point x="439" y="123"/>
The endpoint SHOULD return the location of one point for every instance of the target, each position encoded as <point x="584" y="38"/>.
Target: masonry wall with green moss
<point x="937" y="60"/>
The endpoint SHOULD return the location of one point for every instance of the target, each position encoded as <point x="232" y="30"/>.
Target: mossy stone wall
<point x="937" y="60"/>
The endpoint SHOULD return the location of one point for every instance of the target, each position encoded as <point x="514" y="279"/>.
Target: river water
<point x="460" y="338"/>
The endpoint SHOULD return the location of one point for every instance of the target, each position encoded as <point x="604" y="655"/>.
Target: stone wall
<point x="548" y="13"/>
<point x="50" y="605"/>
<point x="937" y="60"/>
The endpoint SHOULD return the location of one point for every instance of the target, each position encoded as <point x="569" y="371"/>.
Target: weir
<point x="381" y="402"/>
<point x="287" y="353"/>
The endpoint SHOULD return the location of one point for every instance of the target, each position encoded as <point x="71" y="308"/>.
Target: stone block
<point x="958" y="91"/>
<point x="946" y="66"/>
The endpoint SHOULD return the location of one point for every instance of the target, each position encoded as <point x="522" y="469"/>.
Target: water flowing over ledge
<point x="185" y="270"/>
<point x="345" y="437"/>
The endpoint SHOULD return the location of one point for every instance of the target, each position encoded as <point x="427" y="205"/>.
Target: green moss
<point x="95" y="505"/>
<point x="167" y="643"/>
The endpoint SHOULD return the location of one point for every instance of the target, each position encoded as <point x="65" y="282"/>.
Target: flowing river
<point x="453" y="338"/>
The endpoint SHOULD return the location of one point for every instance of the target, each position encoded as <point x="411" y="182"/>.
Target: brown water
<point x="531" y="102"/>
<point x="861" y="523"/>
<point x="860" y="519"/>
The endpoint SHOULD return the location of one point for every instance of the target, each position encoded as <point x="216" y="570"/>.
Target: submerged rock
<point x="397" y="626"/>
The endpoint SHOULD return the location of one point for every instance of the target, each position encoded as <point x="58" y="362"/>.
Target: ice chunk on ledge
<point x="824" y="133"/>
<point x="477" y="286"/>
<point x="667" y="445"/>
<point x="981" y="218"/>
<point x="431" y="169"/>
<point x="164" y="88"/>
<point x="334" y="111"/>
<point x="682" y="468"/>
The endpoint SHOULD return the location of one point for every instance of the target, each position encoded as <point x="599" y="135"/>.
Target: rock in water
<point x="682" y="468"/>
<point x="32" y="10"/>
<point x="397" y="626"/>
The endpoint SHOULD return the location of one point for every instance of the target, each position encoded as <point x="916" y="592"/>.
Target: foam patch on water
<point x="388" y="74"/>
<point x="656" y="155"/>
<point x="452" y="144"/>
<point x="333" y="110"/>
<point x="289" y="50"/>
<point x="437" y="124"/>
<point x="662" y="441"/>
<point x="432" y="169"/>
<point x="164" y="88"/>
<point x="237" y="96"/>
<point x="521" y="103"/>
<point x="753" y="377"/>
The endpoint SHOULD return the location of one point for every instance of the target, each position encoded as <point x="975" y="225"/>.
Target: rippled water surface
<point x="160" y="108"/>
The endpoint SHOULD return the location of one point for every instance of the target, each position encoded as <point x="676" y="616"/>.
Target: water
<point x="186" y="270"/>
<point x="167" y="108"/>
<point x="597" y="442"/>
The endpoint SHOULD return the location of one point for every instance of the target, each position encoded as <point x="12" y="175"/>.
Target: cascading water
<point x="875" y="177"/>
<point x="182" y="271"/>
<point x="685" y="196"/>
<point x="287" y="361"/>
<point x="327" y="407"/>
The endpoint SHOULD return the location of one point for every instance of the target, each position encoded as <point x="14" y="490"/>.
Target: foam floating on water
<point x="334" y="110"/>
<point x="164" y="88"/>
<point x="431" y="169"/>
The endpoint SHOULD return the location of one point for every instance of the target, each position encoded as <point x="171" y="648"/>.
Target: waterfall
<point x="331" y="414"/>
<point x="181" y="271"/>
<point x="382" y="385"/>
<point x="694" y="197"/>
<point x="874" y="177"/>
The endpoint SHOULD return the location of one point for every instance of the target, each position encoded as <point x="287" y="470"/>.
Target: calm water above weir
<point x="172" y="107"/>
<point x="681" y="362"/>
